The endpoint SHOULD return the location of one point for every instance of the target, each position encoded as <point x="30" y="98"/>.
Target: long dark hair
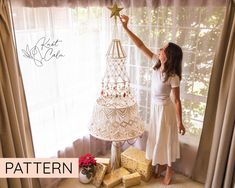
<point x="173" y="65"/>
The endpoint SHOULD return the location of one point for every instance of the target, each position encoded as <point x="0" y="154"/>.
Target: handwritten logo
<point x="44" y="51"/>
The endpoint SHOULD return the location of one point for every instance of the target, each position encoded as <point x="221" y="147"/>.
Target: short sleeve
<point x="175" y="81"/>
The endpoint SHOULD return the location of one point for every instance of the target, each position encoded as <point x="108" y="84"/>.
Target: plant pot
<point x="83" y="178"/>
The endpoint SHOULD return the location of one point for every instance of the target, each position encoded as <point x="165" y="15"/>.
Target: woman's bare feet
<point x="168" y="176"/>
<point x="161" y="168"/>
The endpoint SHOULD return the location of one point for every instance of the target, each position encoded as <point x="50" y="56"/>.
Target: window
<point x="61" y="93"/>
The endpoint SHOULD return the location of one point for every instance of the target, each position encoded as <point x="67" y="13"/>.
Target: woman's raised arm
<point x="139" y="43"/>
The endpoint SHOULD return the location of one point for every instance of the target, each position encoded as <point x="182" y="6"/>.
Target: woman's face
<point x="162" y="54"/>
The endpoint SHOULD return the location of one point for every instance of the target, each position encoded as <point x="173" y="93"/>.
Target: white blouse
<point x="161" y="90"/>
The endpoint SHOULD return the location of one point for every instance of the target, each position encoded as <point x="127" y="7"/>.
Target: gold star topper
<point x="115" y="11"/>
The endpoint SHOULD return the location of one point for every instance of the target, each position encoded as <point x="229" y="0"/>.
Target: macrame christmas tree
<point x="115" y="116"/>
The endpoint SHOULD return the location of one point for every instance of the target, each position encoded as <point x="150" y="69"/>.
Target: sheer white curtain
<point x="61" y="89"/>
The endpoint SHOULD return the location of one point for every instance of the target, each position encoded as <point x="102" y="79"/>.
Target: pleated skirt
<point x="162" y="143"/>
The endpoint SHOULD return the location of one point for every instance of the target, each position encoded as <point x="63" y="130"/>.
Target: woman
<point x="162" y="144"/>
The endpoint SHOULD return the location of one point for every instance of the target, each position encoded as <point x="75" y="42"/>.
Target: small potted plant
<point x="87" y="165"/>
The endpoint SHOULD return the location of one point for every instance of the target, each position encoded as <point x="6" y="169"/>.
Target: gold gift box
<point x="115" y="177"/>
<point x="100" y="171"/>
<point x="134" y="160"/>
<point x="131" y="179"/>
<point x="105" y="161"/>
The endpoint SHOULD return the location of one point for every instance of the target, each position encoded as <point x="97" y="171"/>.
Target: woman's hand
<point x="124" y="19"/>
<point x="181" y="129"/>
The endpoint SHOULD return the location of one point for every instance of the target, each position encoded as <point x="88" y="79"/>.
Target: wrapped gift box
<point x="115" y="177"/>
<point x="105" y="161"/>
<point x="100" y="171"/>
<point x="134" y="160"/>
<point x="131" y="179"/>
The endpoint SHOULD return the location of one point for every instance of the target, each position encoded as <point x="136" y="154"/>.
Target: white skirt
<point x="162" y="143"/>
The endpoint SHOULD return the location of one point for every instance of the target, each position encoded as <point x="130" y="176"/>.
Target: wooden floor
<point x="178" y="181"/>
